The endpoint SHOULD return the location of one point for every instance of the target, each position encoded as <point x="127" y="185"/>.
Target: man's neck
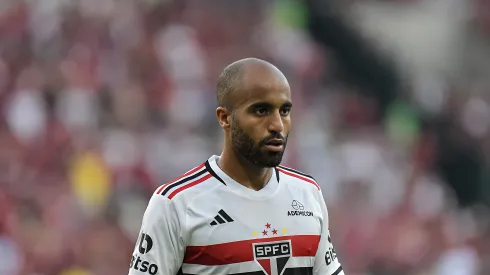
<point x="243" y="171"/>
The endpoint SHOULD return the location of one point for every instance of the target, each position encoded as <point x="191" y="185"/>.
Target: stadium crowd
<point x="102" y="101"/>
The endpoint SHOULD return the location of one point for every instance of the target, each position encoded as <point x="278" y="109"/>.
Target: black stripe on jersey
<point x="298" y="271"/>
<point x="219" y="219"/>
<point x="337" y="271"/>
<point x="224" y="215"/>
<point x="297" y="172"/>
<point x="277" y="173"/>
<point x="211" y="171"/>
<point x="288" y="271"/>
<point x="182" y="181"/>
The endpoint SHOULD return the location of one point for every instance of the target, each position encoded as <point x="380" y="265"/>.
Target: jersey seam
<point x="182" y="230"/>
<point x="218" y="184"/>
<point x="175" y="209"/>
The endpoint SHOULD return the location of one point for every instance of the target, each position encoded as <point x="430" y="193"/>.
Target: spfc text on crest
<point x="272" y="256"/>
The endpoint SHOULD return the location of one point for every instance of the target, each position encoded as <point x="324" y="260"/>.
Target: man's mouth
<point x="275" y="145"/>
<point x="275" y="142"/>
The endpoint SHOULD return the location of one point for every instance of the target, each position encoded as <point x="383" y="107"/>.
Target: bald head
<point x="242" y="73"/>
<point x="254" y="109"/>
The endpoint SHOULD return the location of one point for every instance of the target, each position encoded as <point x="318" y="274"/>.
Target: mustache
<point x="266" y="140"/>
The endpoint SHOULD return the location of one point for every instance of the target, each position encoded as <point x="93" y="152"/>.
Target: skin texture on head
<point x="254" y="104"/>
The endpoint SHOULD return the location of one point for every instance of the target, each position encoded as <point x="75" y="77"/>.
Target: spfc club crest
<point x="272" y="256"/>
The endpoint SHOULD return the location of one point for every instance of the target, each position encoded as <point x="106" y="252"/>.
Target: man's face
<point x="256" y="150"/>
<point x="260" y="125"/>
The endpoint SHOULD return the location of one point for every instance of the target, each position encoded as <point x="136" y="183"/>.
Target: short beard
<point x="245" y="147"/>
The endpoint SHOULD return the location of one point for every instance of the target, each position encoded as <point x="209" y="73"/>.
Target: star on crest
<point x="269" y="229"/>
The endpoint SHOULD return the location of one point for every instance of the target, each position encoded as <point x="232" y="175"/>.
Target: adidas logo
<point x="221" y="218"/>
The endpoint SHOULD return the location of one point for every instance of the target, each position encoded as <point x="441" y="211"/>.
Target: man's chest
<point x="229" y="218"/>
<point x="283" y="232"/>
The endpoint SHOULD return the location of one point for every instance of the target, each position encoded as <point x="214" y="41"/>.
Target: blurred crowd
<point x="102" y="101"/>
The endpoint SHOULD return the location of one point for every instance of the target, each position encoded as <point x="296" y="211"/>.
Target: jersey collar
<point x="215" y="170"/>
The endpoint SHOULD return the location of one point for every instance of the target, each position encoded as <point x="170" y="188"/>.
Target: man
<point x="240" y="212"/>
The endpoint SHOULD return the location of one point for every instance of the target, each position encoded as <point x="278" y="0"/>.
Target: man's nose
<point x="276" y="124"/>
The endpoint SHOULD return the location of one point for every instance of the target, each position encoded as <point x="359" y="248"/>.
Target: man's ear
<point x="224" y="117"/>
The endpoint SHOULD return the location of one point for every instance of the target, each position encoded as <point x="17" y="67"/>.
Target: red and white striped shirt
<point x="206" y="223"/>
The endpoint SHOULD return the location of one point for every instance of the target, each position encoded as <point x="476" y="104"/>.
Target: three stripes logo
<point x="221" y="218"/>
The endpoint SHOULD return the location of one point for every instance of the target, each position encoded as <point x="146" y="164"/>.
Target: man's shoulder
<point x="304" y="180"/>
<point x="188" y="184"/>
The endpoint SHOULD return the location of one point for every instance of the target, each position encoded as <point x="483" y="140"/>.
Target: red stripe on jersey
<point x="196" y="182"/>
<point x="161" y="188"/>
<point x="184" y="175"/>
<point x="243" y="251"/>
<point x="192" y="171"/>
<point x="299" y="177"/>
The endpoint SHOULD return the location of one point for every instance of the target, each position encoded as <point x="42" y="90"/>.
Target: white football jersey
<point x="208" y="224"/>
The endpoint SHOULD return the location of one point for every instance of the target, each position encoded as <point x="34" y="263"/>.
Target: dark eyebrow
<point x="258" y="105"/>
<point x="268" y="105"/>
<point x="287" y="104"/>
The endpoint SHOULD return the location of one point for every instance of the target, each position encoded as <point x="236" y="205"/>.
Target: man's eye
<point x="285" y="112"/>
<point x="261" y="111"/>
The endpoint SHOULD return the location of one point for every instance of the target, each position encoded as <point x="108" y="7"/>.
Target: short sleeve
<point x="159" y="249"/>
